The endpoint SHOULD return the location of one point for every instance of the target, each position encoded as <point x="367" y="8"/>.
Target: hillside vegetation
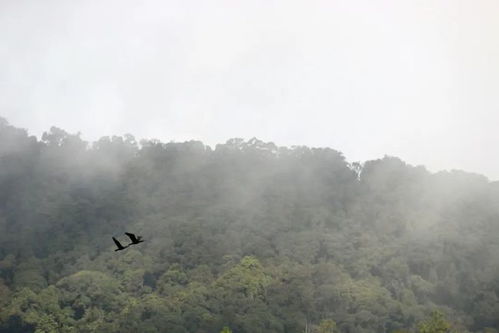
<point x="247" y="237"/>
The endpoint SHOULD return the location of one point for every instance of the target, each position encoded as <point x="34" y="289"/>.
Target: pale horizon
<point x="415" y="80"/>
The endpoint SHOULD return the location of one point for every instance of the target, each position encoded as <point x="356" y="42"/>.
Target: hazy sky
<point x="414" y="79"/>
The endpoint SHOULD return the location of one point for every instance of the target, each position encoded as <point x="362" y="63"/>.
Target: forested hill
<point x="247" y="236"/>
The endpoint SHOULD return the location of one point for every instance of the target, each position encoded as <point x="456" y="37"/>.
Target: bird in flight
<point x="118" y="244"/>
<point x="134" y="239"/>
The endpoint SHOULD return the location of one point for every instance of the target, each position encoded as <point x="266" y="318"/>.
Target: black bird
<point x="134" y="239"/>
<point x="118" y="244"/>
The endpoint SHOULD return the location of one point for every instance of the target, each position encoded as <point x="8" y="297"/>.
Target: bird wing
<point x="132" y="236"/>
<point x="118" y="244"/>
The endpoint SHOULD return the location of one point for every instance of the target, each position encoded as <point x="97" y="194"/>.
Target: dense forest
<point x="245" y="237"/>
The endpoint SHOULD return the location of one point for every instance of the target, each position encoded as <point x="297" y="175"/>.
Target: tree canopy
<point x="245" y="237"/>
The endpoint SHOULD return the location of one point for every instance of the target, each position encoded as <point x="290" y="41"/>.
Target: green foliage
<point x="247" y="235"/>
<point x="41" y="310"/>
<point x="327" y="326"/>
<point x="225" y="330"/>
<point x="247" y="278"/>
<point x="435" y="324"/>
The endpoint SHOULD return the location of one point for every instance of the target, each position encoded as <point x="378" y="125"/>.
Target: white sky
<point x="415" y="79"/>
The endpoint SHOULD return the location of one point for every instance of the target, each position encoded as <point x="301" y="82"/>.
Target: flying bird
<point x="118" y="244"/>
<point x="134" y="239"/>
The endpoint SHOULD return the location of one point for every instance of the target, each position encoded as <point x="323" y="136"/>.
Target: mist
<point x="317" y="167"/>
<point x="247" y="236"/>
<point x="409" y="79"/>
